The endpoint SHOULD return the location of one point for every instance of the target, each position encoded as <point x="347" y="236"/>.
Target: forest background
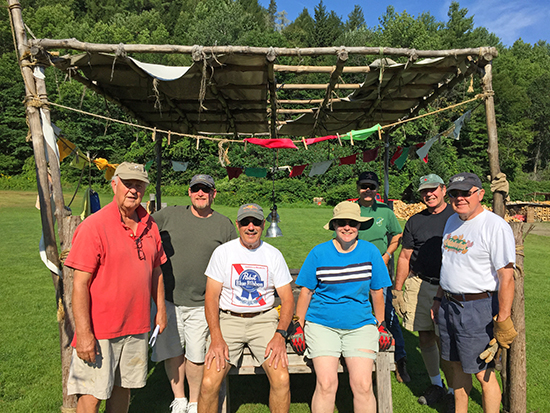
<point x="521" y="83"/>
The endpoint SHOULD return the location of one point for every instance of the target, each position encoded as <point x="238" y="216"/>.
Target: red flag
<point x="321" y="139"/>
<point x="370" y="155"/>
<point x="297" y="170"/>
<point x="396" y="155"/>
<point x="233" y="172"/>
<point x="348" y="160"/>
<point x="272" y="143"/>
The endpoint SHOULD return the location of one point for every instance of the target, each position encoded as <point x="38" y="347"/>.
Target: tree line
<point x="521" y="82"/>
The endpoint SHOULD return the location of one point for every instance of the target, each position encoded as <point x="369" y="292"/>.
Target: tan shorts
<point x="255" y="332"/>
<point x="418" y="298"/>
<point x="121" y="361"/>
<point x="186" y="332"/>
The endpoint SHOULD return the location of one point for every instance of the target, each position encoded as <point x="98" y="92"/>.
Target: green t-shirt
<point x="384" y="224"/>
<point x="188" y="242"/>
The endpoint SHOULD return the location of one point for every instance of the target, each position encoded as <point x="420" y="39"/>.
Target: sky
<point x="508" y="19"/>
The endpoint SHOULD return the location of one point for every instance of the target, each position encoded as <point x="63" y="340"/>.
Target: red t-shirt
<point x="120" y="289"/>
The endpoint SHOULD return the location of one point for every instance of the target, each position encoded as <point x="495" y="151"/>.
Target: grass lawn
<point x="30" y="373"/>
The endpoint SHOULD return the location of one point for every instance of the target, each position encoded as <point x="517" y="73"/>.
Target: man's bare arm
<point x="86" y="344"/>
<point x="403" y="267"/>
<point x="277" y="346"/>
<point x="157" y="293"/>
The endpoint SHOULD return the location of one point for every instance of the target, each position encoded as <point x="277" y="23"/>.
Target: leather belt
<point x="243" y="315"/>
<point x="468" y="296"/>
<point x="432" y="281"/>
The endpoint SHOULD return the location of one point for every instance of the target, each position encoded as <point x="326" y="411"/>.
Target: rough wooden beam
<point x="334" y="77"/>
<point x="272" y="82"/>
<point x="314" y="86"/>
<point x="487" y="52"/>
<point x="320" y="69"/>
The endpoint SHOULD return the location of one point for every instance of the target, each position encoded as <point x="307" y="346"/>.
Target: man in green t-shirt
<point x="189" y="236"/>
<point x="385" y="234"/>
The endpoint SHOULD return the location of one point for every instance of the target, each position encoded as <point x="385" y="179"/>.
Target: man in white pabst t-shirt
<point x="243" y="275"/>
<point x="474" y="302"/>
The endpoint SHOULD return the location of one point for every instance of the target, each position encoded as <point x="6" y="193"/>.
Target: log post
<point x="492" y="149"/>
<point x="515" y="400"/>
<point x="65" y="316"/>
<point x="158" y="153"/>
<point x="36" y="101"/>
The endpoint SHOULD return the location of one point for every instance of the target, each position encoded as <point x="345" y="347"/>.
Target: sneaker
<point x="401" y="371"/>
<point x="432" y="395"/>
<point x="450" y="402"/>
<point x="192" y="407"/>
<point x="179" y="405"/>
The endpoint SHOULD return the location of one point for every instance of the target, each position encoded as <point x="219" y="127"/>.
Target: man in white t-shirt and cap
<point x="243" y="275"/>
<point x="474" y="301"/>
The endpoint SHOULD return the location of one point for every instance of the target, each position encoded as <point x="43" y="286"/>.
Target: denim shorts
<point x="465" y="332"/>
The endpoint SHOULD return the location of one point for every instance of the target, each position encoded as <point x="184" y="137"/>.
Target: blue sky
<point x="508" y="19"/>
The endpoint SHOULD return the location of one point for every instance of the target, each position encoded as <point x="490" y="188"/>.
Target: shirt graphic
<point x="249" y="285"/>
<point x="457" y="244"/>
<point x="378" y="221"/>
<point x="349" y="273"/>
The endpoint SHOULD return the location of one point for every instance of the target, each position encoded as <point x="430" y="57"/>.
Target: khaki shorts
<point x="418" y="298"/>
<point x="186" y="332"/>
<point x="255" y="332"/>
<point x="121" y="361"/>
<point x="335" y="342"/>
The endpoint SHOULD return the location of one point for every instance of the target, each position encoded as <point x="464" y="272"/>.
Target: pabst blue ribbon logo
<point x="250" y="282"/>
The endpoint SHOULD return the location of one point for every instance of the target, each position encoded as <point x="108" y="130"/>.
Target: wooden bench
<point x="382" y="368"/>
<point x="301" y="365"/>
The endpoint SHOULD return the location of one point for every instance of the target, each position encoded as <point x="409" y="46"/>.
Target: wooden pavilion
<point x="230" y="92"/>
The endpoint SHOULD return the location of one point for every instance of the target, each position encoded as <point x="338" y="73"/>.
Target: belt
<point x="433" y="281"/>
<point x="458" y="298"/>
<point x="243" y="315"/>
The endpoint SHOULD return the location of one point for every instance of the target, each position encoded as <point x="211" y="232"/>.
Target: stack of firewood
<point x="405" y="211"/>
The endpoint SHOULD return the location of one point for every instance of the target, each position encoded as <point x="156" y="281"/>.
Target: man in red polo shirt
<point x="116" y="254"/>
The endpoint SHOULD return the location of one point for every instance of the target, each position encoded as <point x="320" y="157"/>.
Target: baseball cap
<point x="250" y="210"/>
<point x="203" y="179"/>
<point x="464" y="181"/>
<point x="430" y="181"/>
<point x="368" y="178"/>
<point x="129" y="170"/>
<point x="348" y="210"/>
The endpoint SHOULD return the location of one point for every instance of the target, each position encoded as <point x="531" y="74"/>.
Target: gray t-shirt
<point x="188" y="242"/>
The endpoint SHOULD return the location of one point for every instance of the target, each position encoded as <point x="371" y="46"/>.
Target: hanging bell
<point x="273" y="231"/>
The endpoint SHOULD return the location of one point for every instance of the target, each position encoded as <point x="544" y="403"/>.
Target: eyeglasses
<point x="455" y="193"/>
<point x="139" y="246"/>
<point x="343" y="222"/>
<point x="203" y="188"/>
<point x="370" y="187"/>
<point x="246" y="222"/>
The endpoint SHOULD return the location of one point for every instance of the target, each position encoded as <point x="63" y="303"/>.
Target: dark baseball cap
<point x="464" y="181"/>
<point x="202" y="179"/>
<point x="250" y="210"/>
<point x="368" y="178"/>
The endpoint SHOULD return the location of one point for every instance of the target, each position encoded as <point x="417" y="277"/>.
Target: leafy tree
<point x="356" y="19"/>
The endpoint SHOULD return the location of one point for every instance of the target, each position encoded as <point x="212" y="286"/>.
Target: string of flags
<point x="398" y="159"/>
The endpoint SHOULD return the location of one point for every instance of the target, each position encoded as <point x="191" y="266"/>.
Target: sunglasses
<point x="455" y="193"/>
<point x="371" y="187"/>
<point x="246" y="222"/>
<point x="203" y="188"/>
<point x="343" y="222"/>
<point x="139" y="247"/>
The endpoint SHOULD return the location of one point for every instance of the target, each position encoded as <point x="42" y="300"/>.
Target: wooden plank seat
<point x="301" y="365"/>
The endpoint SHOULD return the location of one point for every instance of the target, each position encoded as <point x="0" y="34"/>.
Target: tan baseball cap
<point x="128" y="170"/>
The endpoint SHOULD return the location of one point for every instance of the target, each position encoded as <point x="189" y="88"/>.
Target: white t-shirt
<point x="249" y="277"/>
<point x="473" y="251"/>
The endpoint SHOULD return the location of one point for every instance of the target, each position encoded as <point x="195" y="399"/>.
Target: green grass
<point x="30" y="372"/>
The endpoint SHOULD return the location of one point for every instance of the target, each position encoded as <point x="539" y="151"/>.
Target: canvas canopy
<point x="230" y="93"/>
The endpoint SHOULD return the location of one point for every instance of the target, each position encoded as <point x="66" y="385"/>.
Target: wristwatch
<point x="284" y="333"/>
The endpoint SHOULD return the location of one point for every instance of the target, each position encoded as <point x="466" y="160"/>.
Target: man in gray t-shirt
<point x="189" y="236"/>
